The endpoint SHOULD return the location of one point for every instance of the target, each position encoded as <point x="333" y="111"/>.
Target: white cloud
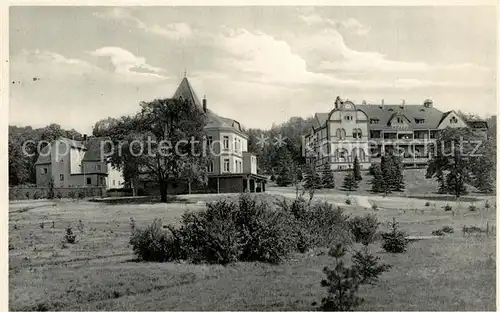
<point x="126" y="63"/>
<point x="172" y="31"/>
<point x="351" y="24"/>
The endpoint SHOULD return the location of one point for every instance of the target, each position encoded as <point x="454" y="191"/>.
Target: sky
<point x="259" y="65"/>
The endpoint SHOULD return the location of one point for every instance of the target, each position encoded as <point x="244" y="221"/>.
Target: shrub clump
<point x="472" y="208"/>
<point x="224" y="232"/>
<point x="438" y="232"/>
<point x="427" y="204"/>
<point x="395" y="241"/>
<point x="447" y="229"/>
<point x="70" y="237"/>
<point x="447" y="207"/>
<point x="364" y="228"/>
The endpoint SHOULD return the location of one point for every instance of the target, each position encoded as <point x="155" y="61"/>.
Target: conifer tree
<point x="377" y="180"/>
<point x="357" y="169"/>
<point x="328" y="179"/>
<point x="350" y="182"/>
<point x="395" y="178"/>
<point x="384" y="179"/>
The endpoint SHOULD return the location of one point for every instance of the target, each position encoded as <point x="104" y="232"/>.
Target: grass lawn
<point x="454" y="272"/>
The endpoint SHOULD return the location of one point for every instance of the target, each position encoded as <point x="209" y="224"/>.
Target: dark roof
<point x="93" y="149"/>
<point x="43" y="158"/>
<point x="186" y="91"/>
<point x="431" y="116"/>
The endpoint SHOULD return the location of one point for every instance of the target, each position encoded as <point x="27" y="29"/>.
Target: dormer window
<point x="399" y="120"/>
<point x="374" y="121"/>
<point x="419" y="120"/>
<point x="453" y="120"/>
<point x="390" y="109"/>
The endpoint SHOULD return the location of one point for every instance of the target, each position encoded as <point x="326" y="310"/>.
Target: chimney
<point x="428" y="103"/>
<point x="204" y="104"/>
<point x="85" y="137"/>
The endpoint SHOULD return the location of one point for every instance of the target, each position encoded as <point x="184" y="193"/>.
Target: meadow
<point x="99" y="271"/>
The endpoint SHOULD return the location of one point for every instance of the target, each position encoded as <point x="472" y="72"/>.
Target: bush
<point x="70" y="237"/>
<point x="71" y="194"/>
<point x="58" y="195"/>
<point x="438" y="232"/>
<point x="81" y="194"/>
<point x="427" y="204"/>
<point x="472" y="208"/>
<point x="152" y="243"/>
<point x="447" y="207"/>
<point x="374" y="206"/>
<point x="348" y="201"/>
<point x="41" y="225"/>
<point x="325" y="225"/>
<point x="36" y="195"/>
<point x="394" y="241"/>
<point x="364" y="228"/>
<point x="224" y="232"/>
<point x="447" y="229"/>
<point x="487" y="205"/>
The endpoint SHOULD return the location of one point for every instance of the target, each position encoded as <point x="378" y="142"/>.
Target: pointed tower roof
<point x="186" y="92"/>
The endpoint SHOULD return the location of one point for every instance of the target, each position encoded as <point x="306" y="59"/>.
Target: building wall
<point x="42" y="179"/>
<point x="61" y="164"/>
<point x="115" y="178"/>
<point x="233" y="154"/>
<point x="249" y="163"/>
<point x="76" y="156"/>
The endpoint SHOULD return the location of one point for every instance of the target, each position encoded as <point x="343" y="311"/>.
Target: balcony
<point x="402" y="141"/>
<point x="416" y="160"/>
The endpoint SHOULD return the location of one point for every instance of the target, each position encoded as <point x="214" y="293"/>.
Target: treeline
<point x="21" y="164"/>
<point x="272" y="151"/>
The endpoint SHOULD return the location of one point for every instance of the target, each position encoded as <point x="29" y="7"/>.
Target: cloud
<point x="126" y="63"/>
<point x="351" y="24"/>
<point x="172" y="31"/>
<point x="327" y="52"/>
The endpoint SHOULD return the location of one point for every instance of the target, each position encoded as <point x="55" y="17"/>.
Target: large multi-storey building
<point x="232" y="168"/>
<point x="370" y="131"/>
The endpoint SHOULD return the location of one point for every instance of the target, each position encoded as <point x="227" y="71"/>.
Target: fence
<point x="18" y="193"/>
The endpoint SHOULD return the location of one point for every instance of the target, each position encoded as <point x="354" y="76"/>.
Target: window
<point x="226" y="165"/>
<point x="356" y="133"/>
<point x="374" y="121"/>
<point x="210" y="140"/>
<point x="61" y="177"/>
<point x="113" y="182"/>
<point x="98" y="167"/>
<point x="235" y="144"/>
<point x="432" y="134"/>
<point x="210" y="166"/>
<point x="89" y="181"/>
<point x="43" y="170"/>
<point x="340" y="134"/>
<point x="348" y="117"/>
<point x="453" y="120"/>
<point x="399" y="120"/>
<point x="225" y="142"/>
<point x="419" y="120"/>
<point x="236" y="166"/>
